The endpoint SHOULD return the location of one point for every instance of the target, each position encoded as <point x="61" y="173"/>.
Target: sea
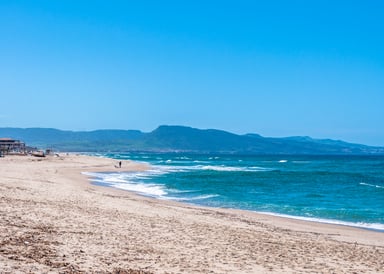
<point x="344" y="190"/>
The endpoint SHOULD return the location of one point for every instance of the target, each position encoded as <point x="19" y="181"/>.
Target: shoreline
<point x="49" y="205"/>
<point x="377" y="227"/>
<point x="363" y="226"/>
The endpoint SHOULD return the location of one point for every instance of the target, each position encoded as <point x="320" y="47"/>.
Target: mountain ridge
<point x="169" y="138"/>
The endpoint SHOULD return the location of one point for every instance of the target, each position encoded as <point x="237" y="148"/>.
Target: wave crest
<point x="365" y="184"/>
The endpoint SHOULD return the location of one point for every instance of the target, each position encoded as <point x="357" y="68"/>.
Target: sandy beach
<point x="53" y="220"/>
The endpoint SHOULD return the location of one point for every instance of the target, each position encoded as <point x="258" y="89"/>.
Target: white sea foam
<point x="146" y="189"/>
<point x="221" y="168"/>
<point x="164" y="169"/>
<point x="183" y="158"/>
<point x="195" y="198"/>
<point x="365" y="184"/>
<point x="373" y="226"/>
<point x="283" y="161"/>
<point x="129" y="181"/>
<point x="232" y="168"/>
<point x="181" y="191"/>
<point x="132" y="181"/>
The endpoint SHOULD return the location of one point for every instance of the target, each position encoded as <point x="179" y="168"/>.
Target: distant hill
<point x="181" y="139"/>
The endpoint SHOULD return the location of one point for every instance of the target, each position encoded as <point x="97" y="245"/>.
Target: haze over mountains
<point x="180" y="139"/>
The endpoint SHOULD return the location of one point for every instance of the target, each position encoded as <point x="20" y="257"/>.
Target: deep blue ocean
<point x="345" y="190"/>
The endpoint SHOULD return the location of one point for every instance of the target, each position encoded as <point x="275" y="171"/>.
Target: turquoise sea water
<point x="335" y="189"/>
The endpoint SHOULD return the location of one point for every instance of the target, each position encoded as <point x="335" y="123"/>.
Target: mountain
<point x="181" y="139"/>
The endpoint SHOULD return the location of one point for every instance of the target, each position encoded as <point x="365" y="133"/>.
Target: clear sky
<point x="277" y="68"/>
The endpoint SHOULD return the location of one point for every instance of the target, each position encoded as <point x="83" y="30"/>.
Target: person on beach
<point x="120" y="164"/>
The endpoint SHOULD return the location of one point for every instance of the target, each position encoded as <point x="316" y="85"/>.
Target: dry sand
<point x="52" y="220"/>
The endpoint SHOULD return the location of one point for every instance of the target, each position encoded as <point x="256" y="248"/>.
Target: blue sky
<point x="277" y="68"/>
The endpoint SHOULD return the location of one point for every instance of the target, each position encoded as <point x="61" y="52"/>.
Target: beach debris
<point x="38" y="153"/>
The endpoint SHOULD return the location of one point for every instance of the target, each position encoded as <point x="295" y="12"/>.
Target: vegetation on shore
<point x="181" y="139"/>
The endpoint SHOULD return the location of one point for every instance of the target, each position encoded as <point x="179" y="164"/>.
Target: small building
<point x="11" y="146"/>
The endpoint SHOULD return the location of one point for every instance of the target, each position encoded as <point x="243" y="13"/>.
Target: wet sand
<point x="52" y="220"/>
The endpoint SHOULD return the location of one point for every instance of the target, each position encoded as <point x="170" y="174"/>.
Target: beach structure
<point x="11" y="146"/>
